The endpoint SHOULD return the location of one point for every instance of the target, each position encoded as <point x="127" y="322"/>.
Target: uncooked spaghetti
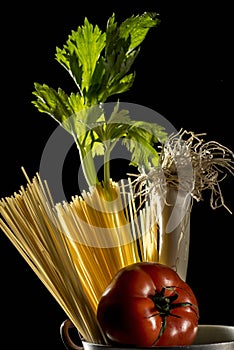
<point x="76" y="248"/>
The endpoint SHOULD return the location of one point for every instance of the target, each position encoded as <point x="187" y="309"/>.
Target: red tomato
<point x="148" y="304"/>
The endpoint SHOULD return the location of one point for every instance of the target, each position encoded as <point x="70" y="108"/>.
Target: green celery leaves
<point x="100" y="63"/>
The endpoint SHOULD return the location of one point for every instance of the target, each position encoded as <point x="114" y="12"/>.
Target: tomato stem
<point x="164" y="304"/>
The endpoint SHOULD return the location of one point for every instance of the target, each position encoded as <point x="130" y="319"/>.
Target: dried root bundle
<point x="190" y="164"/>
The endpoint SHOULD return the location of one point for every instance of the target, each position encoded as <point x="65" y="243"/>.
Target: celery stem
<point x="108" y="148"/>
<point x="88" y="167"/>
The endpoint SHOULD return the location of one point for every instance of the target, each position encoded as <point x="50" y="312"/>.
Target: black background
<point x="182" y="72"/>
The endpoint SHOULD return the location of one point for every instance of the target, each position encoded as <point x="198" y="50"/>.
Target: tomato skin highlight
<point x="147" y="304"/>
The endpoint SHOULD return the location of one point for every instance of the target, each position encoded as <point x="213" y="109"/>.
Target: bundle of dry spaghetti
<point x="76" y="248"/>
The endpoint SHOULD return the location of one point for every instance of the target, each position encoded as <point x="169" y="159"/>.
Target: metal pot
<point x="209" y="337"/>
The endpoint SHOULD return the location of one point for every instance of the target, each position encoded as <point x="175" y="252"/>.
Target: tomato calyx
<point x="164" y="304"/>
